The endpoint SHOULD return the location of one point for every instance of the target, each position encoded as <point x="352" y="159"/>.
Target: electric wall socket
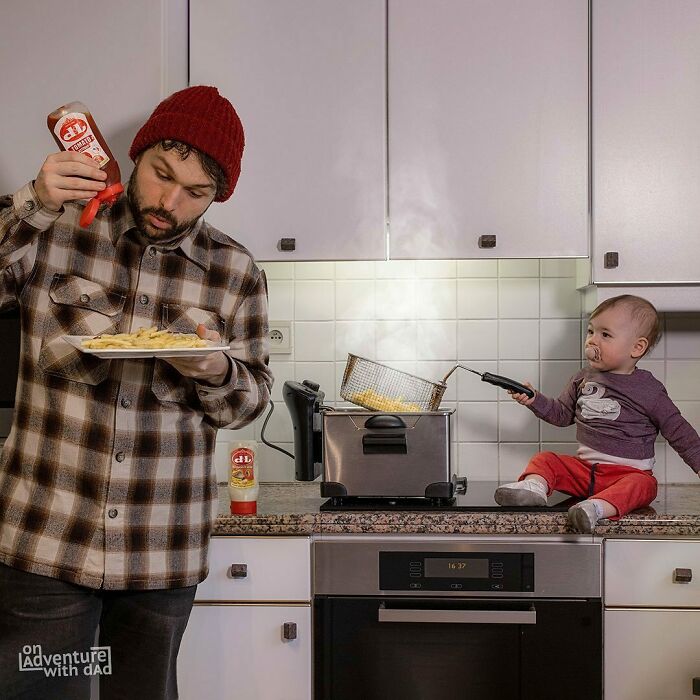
<point x="280" y="336"/>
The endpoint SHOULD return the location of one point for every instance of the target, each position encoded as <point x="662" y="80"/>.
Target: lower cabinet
<point x="652" y="619"/>
<point x="249" y="635"/>
<point x="651" y="654"/>
<point x="240" y="651"/>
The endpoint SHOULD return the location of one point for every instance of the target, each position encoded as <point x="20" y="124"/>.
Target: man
<point x="107" y="492"/>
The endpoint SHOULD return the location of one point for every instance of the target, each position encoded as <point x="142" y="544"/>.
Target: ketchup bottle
<point x="74" y="129"/>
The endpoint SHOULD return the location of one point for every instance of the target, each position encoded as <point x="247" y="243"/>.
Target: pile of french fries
<point x="144" y="338"/>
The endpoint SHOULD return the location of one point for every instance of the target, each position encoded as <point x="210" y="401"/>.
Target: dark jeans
<point x="44" y="616"/>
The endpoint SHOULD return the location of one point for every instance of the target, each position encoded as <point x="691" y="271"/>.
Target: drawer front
<point x="269" y="569"/>
<point x="648" y="573"/>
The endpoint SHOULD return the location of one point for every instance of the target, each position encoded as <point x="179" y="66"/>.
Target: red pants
<point x="627" y="488"/>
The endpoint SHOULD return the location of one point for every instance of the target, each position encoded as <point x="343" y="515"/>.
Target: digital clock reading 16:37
<point x="457" y="568"/>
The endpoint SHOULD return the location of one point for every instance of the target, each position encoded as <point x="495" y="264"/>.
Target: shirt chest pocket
<point x="78" y="306"/>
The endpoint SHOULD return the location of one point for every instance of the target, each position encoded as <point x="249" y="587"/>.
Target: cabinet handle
<point x="289" y="630"/>
<point x="238" y="571"/>
<point x="488" y="241"/>
<point x="611" y="260"/>
<point x="287" y="244"/>
<point x="682" y="575"/>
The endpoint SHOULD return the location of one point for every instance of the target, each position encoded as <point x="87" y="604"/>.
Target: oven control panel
<point x="456" y="571"/>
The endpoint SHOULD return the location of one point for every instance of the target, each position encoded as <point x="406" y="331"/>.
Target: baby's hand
<point x="524" y="399"/>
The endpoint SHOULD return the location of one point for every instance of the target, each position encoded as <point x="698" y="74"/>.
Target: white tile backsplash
<point x="519" y="268"/>
<point x="560" y="339"/>
<point x="314" y="342"/>
<point x="436" y="340"/>
<point x="436" y="299"/>
<point x="314" y="300"/>
<point x="281" y="306"/>
<point x="396" y="340"/>
<point x="356" y="337"/>
<point x="395" y="299"/>
<point x="354" y="300"/>
<point x="477" y="298"/>
<point x="559" y="298"/>
<point x="518" y="318"/>
<point x="477" y="422"/>
<point x="518" y="340"/>
<point x="517" y="423"/>
<point x="519" y="298"/>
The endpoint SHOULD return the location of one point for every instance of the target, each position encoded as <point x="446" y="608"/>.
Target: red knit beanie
<point x="203" y="119"/>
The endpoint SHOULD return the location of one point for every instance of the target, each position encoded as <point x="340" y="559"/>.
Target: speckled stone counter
<point x="293" y="509"/>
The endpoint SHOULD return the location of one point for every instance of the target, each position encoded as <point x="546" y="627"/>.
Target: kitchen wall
<point x="520" y="318"/>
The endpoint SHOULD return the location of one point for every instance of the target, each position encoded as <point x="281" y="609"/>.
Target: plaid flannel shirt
<point x="106" y="479"/>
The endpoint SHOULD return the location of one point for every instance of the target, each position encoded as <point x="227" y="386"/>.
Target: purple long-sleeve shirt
<point x="621" y="415"/>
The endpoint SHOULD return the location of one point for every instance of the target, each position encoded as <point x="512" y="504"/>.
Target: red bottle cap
<point x="108" y="196"/>
<point x="244" y="507"/>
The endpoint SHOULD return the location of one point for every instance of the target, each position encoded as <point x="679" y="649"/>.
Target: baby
<point x="619" y="411"/>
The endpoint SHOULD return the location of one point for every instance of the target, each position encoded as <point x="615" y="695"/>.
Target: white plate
<point x="140" y="353"/>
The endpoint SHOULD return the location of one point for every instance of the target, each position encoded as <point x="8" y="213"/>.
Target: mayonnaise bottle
<point x="243" y="483"/>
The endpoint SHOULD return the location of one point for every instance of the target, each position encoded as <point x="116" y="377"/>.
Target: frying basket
<point x="380" y="388"/>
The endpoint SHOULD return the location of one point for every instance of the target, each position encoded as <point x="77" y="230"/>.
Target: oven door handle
<point x="463" y="617"/>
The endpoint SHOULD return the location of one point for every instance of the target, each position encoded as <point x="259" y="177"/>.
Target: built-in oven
<point x="457" y="618"/>
<point x="9" y="366"/>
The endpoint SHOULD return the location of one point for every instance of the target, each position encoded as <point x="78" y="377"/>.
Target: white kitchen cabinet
<point x="646" y="142"/>
<point x="308" y="81"/>
<point x="120" y="59"/>
<point x="239" y="642"/>
<point x="488" y="128"/>
<point x="651" y="619"/>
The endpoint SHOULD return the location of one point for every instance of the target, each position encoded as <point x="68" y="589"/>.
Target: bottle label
<point x="242" y="467"/>
<point x="74" y="132"/>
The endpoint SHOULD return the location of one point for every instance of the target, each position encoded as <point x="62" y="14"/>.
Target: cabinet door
<point x="646" y="140"/>
<point x="239" y="651"/>
<point x="488" y="128"/>
<point x="120" y="59"/>
<point x="651" y="654"/>
<point x="308" y="81"/>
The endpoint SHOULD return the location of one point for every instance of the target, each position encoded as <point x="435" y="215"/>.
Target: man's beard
<point x="176" y="230"/>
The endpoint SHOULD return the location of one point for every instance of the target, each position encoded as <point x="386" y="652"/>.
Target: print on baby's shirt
<point x="593" y="405"/>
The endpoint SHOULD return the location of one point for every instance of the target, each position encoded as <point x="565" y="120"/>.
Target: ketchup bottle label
<point x="74" y="132"/>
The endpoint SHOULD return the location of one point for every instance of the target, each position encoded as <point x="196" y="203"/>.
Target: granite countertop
<point x="293" y="509"/>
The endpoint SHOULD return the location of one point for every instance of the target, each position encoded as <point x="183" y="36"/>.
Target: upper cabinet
<point x="646" y="145"/>
<point x="308" y="81"/>
<point x="488" y="128"/>
<point x="56" y="52"/>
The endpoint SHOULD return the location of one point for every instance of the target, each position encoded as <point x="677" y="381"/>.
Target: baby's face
<point x="613" y="343"/>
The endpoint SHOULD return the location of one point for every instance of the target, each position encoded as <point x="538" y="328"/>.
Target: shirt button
<point x="113" y="512"/>
<point x="126" y="403"/>
<point x="152" y="252"/>
<point x="120" y="456"/>
<point x="29" y="205"/>
<point x="143" y="300"/>
<point x="84" y="298"/>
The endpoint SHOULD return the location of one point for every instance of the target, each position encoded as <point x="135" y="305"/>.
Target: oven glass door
<point x="438" y="649"/>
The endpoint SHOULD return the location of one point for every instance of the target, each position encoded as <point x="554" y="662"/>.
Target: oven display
<point x="457" y="568"/>
<point x="456" y="572"/>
